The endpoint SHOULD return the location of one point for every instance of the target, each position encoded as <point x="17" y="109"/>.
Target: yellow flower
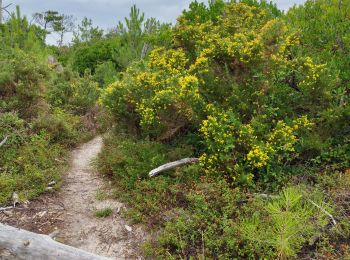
<point x="258" y="157"/>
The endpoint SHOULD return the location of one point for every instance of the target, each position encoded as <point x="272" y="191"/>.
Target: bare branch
<point x="6" y="6"/>
<point x="172" y="165"/>
<point x="324" y="211"/>
<point x="3" y="141"/>
<point x="3" y="9"/>
<point x="7" y="12"/>
<point x="6" y="208"/>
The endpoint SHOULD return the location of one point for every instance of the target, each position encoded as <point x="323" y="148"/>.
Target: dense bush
<point x="105" y="73"/>
<point x="326" y="39"/>
<point x="89" y="56"/>
<point x="22" y="82"/>
<point x="164" y="96"/>
<point x="250" y="152"/>
<point x="246" y="64"/>
<point x="18" y="32"/>
<point x="60" y="126"/>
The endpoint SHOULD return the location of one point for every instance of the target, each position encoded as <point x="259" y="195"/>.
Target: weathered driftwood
<point x="172" y="165"/>
<point x="20" y="244"/>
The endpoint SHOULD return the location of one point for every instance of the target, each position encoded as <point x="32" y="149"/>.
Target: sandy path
<point x="81" y="228"/>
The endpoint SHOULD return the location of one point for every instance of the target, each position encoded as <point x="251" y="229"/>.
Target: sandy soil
<point x="70" y="213"/>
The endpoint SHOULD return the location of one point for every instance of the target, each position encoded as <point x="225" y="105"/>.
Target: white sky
<point x="107" y="13"/>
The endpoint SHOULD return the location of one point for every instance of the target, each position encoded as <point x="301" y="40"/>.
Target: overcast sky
<point x="107" y="13"/>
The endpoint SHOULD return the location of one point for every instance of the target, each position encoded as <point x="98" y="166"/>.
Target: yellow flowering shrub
<point x="171" y="87"/>
<point x="232" y="146"/>
<point x="312" y="72"/>
<point x="240" y="56"/>
<point x="238" y="77"/>
<point x="242" y="34"/>
<point x="160" y="91"/>
<point x="258" y="157"/>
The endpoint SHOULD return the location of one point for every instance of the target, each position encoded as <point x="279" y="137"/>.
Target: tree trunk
<point x="0" y="11"/>
<point x="146" y="45"/>
<point x="23" y="245"/>
<point x="61" y="39"/>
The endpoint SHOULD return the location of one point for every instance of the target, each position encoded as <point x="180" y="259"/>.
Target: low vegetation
<point x="103" y="213"/>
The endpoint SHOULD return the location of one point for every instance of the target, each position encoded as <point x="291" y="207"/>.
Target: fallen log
<point x="24" y="245"/>
<point x="172" y="165"/>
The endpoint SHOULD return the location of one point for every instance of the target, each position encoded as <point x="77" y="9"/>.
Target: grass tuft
<point x="103" y="213"/>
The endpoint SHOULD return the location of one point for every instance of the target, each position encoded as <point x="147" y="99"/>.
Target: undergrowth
<point x="201" y="217"/>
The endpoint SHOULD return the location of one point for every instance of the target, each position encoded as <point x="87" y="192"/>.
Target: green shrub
<point x="18" y="32"/>
<point x="86" y="93"/>
<point x="242" y="60"/>
<point x="22" y="82"/>
<point x="28" y="166"/>
<point x="89" y="56"/>
<point x="105" y="73"/>
<point x="103" y="213"/>
<point x="290" y="222"/>
<point x="129" y="161"/>
<point x="60" y="126"/>
<point x="60" y="91"/>
<point x="205" y="228"/>
<point x="74" y="93"/>
<point x="14" y="128"/>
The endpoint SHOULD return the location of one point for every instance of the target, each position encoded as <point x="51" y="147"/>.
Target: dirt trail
<point x="71" y="212"/>
<point x="81" y="228"/>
